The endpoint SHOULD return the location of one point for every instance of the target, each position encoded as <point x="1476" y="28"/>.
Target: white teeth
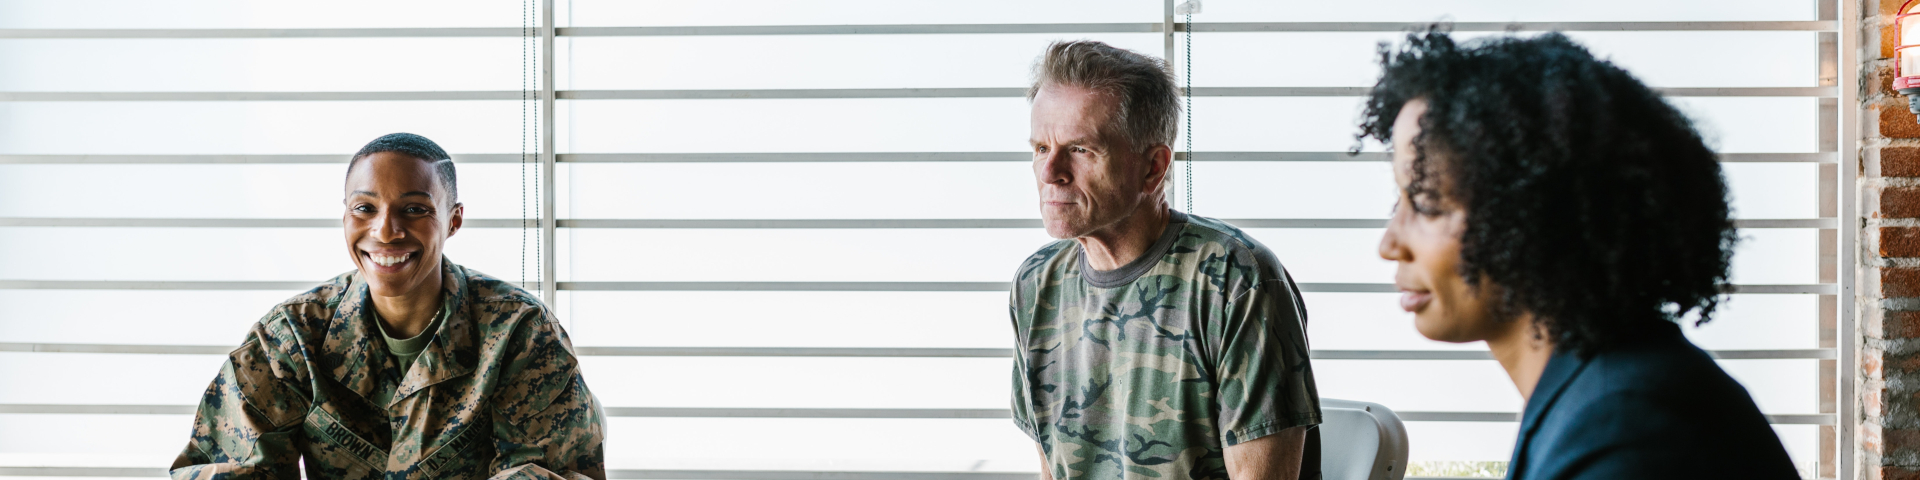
<point x="386" y="261"/>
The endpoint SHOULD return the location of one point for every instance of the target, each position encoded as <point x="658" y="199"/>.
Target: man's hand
<point x="1046" y="467"/>
<point x="1272" y="457"/>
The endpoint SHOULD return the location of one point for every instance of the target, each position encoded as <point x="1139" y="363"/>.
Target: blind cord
<point x="526" y="36"/>
<point x="1189" y="62"/>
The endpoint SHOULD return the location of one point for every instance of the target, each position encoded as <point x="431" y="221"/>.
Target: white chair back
<point x="1361" y="441"/>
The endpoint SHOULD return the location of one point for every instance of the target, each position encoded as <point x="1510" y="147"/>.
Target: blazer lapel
<point x="1560" y="372"/>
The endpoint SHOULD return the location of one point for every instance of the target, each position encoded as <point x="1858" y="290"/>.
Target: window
<point x="784" y="229"/>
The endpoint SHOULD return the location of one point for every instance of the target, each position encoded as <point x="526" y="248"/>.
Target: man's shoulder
<point x="1059" y="253"/>
<point x="1215" y="235"/>
<point x="1226" y="250"/>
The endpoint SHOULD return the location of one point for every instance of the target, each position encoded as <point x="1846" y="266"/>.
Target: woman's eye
<point x="362" y="209"/>
<point x="1427" y="208"/>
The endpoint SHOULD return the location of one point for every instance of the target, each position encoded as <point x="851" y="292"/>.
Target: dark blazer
<point x="1655" y="408"/>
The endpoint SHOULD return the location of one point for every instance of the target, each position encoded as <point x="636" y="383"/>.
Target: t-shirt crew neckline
<point x="1176" y="222"/>
<point x="409" y="349"/>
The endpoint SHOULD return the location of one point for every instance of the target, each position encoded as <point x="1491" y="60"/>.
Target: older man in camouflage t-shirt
<point x="1151" y="343"/>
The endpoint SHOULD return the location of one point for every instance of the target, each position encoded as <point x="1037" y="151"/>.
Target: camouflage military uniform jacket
<point x="496" y="394"/>
<point x="1151" y="370"/>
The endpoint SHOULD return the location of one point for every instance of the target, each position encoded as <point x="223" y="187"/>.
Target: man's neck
<point x="1523" y="352"/>
<point x="1120" y="244"/>
<point x="406" y="316"/>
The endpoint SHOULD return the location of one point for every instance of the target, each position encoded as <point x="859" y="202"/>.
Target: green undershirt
<point x="406" y="350"/>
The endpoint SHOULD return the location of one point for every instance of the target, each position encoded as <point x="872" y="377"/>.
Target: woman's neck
<point x="1523" y="351"/>
<point x="408" y="315"/>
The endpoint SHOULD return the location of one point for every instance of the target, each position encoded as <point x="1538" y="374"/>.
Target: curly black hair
<point x="1590" y="202"/>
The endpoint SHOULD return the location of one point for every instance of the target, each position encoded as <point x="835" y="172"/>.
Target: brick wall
<point x="1889" y="272"/>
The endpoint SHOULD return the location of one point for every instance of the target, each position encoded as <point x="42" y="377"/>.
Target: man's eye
<point x="362" y="209"/>
<point x="416" y="210"/>
<point x="1079" y="150"/>
<point x="1040" y="149"/>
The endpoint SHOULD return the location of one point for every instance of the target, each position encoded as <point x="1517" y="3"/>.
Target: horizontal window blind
<point x="782" y="232"/>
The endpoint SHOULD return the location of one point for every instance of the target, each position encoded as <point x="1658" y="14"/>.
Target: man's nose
<point x="1054" y="167"/>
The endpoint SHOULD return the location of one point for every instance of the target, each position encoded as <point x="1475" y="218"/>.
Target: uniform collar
<point x="362" y="364"/>
<point x="454" y="350"/>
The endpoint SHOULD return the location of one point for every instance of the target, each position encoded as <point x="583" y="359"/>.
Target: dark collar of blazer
<point x="1651" y="407"/>
<point x="1561" y="369"/>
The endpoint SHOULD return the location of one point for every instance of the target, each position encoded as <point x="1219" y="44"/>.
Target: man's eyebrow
<point x="1085" y="141"/>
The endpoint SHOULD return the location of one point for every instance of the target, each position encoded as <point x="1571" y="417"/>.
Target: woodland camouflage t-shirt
<point x="1152" y="369"/>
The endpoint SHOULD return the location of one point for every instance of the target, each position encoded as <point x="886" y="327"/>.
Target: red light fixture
<point x="1908" y="54"/>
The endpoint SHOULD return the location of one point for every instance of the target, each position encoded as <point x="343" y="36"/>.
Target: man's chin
<point x="1062" y="230"/>
<point x="1063" y="233"/>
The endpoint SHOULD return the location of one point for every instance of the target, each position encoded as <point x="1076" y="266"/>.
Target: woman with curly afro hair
<point x="1556" y="208"/>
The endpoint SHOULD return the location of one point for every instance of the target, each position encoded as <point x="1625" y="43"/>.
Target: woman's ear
<point x="459" y="218"/>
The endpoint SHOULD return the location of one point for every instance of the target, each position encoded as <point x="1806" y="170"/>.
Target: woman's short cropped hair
<point x="1591" y="203"/>
<point x="417" y="147"/>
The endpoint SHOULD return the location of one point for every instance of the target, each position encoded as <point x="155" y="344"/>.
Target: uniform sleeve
<point x="248" y="423"/>
<point x="547" y="424"/>
<point x="1261" y="364"/>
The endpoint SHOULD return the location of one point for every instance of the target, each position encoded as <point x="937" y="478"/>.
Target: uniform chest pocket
<point x="337" y="449"/>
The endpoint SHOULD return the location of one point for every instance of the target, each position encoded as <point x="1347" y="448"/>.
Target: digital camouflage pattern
<point x="497" y="394"/>
<point x="1153" y="369"/>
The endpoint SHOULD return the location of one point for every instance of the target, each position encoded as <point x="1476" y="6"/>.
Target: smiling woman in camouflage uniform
<point x="409" y="367"/>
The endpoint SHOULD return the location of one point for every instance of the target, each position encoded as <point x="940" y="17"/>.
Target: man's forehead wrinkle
<point x="1098" y="114"/>
<point x="1057" y="137"/>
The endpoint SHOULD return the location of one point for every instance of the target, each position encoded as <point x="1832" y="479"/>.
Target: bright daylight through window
<point x="783" y="242"/>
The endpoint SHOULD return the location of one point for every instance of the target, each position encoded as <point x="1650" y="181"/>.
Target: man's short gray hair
<point x="1149" y="98"/>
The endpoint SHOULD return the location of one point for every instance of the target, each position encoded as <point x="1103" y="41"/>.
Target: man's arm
<point x="1267" y="395"/>
<point x="248" y="423"/>
<point x="1272" y="457"/>
<point x="1046" y="467"/>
